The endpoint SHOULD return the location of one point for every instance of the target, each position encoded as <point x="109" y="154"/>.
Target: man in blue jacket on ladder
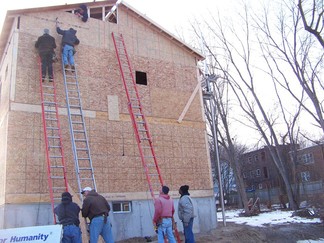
<point x="69" y="39"/>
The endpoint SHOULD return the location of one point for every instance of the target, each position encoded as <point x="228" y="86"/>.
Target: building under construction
<point x="128" y="120"/>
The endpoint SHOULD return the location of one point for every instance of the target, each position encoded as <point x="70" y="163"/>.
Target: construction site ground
<point x="238" y="233"/>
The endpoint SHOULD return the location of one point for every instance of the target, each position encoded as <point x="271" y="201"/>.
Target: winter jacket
<point x="163" y="207"/>
<point x="69" y="36"/>
<point x="68" y="213"/>
<point x="45" y="44"/>
<point x="185" y="209"/>
<point x="94" y="205"/>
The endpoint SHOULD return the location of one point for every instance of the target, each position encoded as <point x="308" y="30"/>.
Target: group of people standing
<point x="164" y="211"/>
<point x="96" y="208"/>
<point x="46" y="46"/>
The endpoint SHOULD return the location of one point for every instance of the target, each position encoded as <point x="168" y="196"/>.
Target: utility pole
<point x="208" y="97"/>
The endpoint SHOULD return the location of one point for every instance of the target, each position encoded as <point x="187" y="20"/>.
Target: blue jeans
<point x="98" y="227"/>
<point x="71" y="234"/>
<point x="187" y="230"/>
<point x="165" y="229"/>
<point x="67" y="54"/>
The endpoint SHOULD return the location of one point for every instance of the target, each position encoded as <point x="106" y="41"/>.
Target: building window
<point x="258" y="172"/>
<point x="100" y="13"/>
<point x="256" y="157"/>
<point x="121" y="207"/>
<point x="265" y="172"/>
<point x="244" y="175"/>
<point x="249" y="159"/>
<point x="306" y="158"/>
<point x="260" y="186"/>
<point x="141" y="78"/>
<point x="305" y="176"/>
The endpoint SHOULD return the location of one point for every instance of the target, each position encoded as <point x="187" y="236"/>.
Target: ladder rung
<point x="57" y="166"/>
<point x="83" y="158"/>
<point x="51" y="111"/>
<point x="54" y="146"/>
<point x="80" y="140"/>
<point x="75" y="106"/>
<point x="56" y="157"/>
<point x="50" y="119"/>
<point x="55" y="137"/>
<point x="82" y="149"/>
<point x="52" y="128"/>
<point x="75" y="122"/>
<point x="85" y="168"/>
<point x="79" y="131"/>
<point x="57" y="177"/>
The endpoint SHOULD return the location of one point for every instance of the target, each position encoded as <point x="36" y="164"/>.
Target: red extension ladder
<point x="140" y="125"/>
<point x="56" y="170"/>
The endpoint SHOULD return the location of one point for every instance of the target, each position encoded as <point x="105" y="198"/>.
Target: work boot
<point x="50" y="79"/>
<point x="66" y="66"/>
<point x="72" y="68"/>
<point x="43" y="79"/>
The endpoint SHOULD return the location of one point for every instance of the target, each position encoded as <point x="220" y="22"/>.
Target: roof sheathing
<point x="166" y="33"/>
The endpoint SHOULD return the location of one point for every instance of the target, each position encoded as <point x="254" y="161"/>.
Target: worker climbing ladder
<point x="140" y="125"/>
<point x="79" y="140"/>
<point x="56" y="169"/>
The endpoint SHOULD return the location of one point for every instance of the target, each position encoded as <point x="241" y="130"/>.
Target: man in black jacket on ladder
<point x="46" y="45"/>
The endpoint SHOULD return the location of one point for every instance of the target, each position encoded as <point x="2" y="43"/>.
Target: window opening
<point x="141" y="78"/>
<point x="258" y="172"/>
<point x="96" y="13"/>
<point x="121" y="207"/>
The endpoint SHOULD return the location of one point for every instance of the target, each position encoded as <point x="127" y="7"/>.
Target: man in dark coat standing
<point x="69" y="40"/>
<point x="46" y="45"/>
<point x="68" y="215"/>
<point x="96" y="208"/>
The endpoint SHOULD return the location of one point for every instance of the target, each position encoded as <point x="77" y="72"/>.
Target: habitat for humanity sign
<point x="48" y="233"/>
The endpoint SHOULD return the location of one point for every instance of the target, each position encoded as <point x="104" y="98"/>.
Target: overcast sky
<point x="170" y="14"/>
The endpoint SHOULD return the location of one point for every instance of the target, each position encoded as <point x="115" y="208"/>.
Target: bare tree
<point x="311" y="12"/>
<point x="237" y="67"/>
<point x="290" y="48"/>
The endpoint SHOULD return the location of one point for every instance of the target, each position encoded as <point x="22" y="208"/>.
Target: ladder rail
<point x="50" y="168"/>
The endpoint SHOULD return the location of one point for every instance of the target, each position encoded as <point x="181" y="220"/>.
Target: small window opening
<point x="96" y="13"/>
<point x="141" y="78"/>
<point x="121" y="207"/>
<point x="265" y="172"/>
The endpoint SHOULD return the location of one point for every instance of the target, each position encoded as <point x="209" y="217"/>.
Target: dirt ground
<point x="238" y="233"/>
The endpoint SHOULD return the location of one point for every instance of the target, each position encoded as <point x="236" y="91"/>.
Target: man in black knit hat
<point x="68" y="215"/>
<point x="186" y="213"/>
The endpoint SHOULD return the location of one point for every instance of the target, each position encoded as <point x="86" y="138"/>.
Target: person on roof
<point x="163" y="214"/>
<point x="69" y="40"/>
<point x="68" y="215"/>
<point x="96" y="208"/>
<point x="46" y="45"/>
<point x="82" y="12"/>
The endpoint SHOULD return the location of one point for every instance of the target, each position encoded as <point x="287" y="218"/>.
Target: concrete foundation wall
<point x="137" y="223"/>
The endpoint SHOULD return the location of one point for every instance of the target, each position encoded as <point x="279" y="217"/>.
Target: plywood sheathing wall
<point x="171" y="71"/>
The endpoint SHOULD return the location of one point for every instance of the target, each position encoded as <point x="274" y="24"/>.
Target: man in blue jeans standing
<point x="186" y="213"/>
<point x="68" y="215"/>
<point x="69" y="39"/>
<point x="163" y="214"/>
<point x="96" y="208"/>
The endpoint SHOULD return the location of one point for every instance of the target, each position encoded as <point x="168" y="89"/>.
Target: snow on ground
<point x="267" y="218"/>
<point x="264" y="218"/>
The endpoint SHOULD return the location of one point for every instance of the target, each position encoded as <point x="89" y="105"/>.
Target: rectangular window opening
<point x="265" y="172"/>
<point x="141" y="78"/>
<point x="121" y="207"/>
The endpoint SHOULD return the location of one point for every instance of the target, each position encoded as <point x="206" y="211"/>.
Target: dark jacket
<point x="94" y="205"/>
<point x="45" y="44"/>
<point x="69" y="37"/>
<point x="68" y="213"/>
<point x="84" y="14"/>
